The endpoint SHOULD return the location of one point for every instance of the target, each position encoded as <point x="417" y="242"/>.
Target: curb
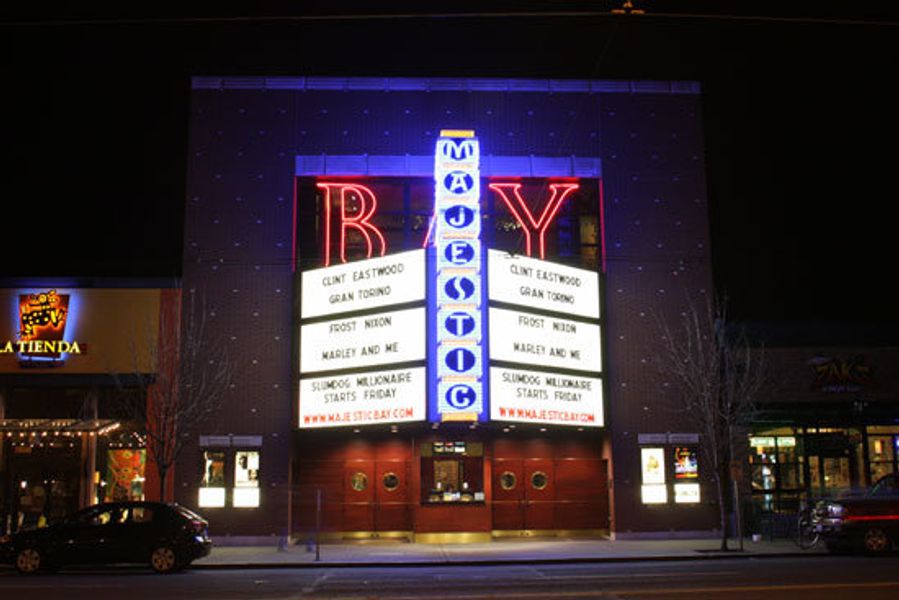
<point x="491" y="562"/>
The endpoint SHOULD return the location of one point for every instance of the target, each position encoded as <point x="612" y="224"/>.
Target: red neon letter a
<point x="367" y="204"/>
<point x="511" y="195"/>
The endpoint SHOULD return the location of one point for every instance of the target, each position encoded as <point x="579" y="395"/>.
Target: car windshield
<point x="188" y="513"/>
<point x="887" y="486"/>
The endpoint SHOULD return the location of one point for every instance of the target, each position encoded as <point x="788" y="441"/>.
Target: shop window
<point x="880" y="469"/>
<point x="452" y="472"/>
<point x="762" y="457"/>
<point x="886" y="487"/>
<point x="775" y="463"/>
<point x="125" y="469"/>
<point x="246" y="479"/>
<point x="654" y="489"/>
<point x="391" y="482"/>
<point x="212" y="485"/>
<point x="359" y="481"/>
<point x="881" y="454"/>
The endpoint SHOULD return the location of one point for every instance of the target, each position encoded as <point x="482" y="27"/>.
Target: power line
<point x="445" y="16"/>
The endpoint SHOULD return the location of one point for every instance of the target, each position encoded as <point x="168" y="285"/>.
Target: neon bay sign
<point x="351" y="208"/>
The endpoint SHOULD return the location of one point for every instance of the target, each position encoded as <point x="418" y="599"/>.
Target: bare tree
<point x="192" y="374"/>
<point x="714" y="374"/>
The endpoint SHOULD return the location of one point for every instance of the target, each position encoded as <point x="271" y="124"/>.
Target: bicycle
<point x="807" y="534"/>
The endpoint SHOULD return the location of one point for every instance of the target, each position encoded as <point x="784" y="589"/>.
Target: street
<point x="820" y="577"/>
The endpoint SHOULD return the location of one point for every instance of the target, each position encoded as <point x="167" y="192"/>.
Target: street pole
<point x="738" y="517"/>
<point x="318" y="523"/>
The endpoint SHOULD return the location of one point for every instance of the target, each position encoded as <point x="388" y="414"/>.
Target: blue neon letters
<point x="459" y="365"/>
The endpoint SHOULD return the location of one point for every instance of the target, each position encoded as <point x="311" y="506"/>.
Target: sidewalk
<point x="530" y="551"/>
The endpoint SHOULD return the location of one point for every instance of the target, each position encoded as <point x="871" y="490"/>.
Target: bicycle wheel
<point x="806" y="535"/>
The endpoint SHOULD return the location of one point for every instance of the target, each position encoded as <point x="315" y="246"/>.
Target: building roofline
<point x="91" y="282"/>
<point x="446" y="84"/>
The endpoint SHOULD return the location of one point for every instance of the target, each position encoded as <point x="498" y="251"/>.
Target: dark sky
<point x="800" y="119"/>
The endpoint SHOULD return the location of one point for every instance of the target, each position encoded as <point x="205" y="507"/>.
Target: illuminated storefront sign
<point x="356" y="217"/>
<point x="543" y="397"/>
<point x="358" y="205"/>
<point x="358" y="317"/>
<point x="377" y="338"/>
<point x="541" y="340"/>
<point x="457" y="243"/>
<point x="542" y="285"/>
<point x="42" y="318"/>
<point x="388" y="396"/>
<point x="374" y="339"/>
<point x="535" y="337"/>
<point x="364" y="285"/>
<point x="518" y="206"/>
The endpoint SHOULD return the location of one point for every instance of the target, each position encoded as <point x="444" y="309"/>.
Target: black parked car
<point x="166" y="536"/>
<point x="869" y="522"/>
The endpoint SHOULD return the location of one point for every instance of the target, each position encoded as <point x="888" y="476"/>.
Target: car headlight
<point x="835" y="510"/>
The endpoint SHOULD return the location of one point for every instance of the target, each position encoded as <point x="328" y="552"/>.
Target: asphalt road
<point x="819" y="578"/>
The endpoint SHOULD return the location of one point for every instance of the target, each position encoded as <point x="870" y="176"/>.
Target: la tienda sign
<point x="42" y="320"/>
<point x="350" y="208"/>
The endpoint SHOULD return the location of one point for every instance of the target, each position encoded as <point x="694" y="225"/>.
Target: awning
<point x="58" y="426"/>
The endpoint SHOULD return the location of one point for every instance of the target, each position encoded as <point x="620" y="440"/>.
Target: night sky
<point x="800" y="123"/>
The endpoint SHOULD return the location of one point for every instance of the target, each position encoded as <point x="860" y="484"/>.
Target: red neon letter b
<point x="358" y="219"/>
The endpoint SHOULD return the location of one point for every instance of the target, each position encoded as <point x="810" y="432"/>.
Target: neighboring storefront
<point x="440" y="296"/>
<point x="828" y="424"/>
<point x="70" y="356"/>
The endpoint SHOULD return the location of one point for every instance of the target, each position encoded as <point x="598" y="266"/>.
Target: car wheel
<point x="876" y="541"/>
<point x="28" y="561"/>
<point x="163" y="560"/>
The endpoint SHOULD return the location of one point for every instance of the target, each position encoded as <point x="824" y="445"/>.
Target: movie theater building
<point x="75" y="360"/>
<point x="439" y="296"/>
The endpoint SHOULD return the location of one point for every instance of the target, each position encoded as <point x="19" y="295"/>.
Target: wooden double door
<point x="549" y="494"/>
<point x="376" y="496"/>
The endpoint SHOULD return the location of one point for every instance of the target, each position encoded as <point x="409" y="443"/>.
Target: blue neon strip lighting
<point x="457" y="266"/>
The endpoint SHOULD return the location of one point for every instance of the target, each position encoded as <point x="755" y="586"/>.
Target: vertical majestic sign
<point x="457" y="241"/>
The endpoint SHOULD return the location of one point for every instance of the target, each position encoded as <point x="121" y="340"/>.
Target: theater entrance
<point x="544" y="488"/>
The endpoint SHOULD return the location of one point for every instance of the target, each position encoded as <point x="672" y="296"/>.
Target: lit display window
<point x="212" y="485"/>
<point x="654" y="494"/>
<point x="654" y="489"/>
<point x="686" y="475"/>
<point x="686" y="493"/>
<point x="246" y="479"/>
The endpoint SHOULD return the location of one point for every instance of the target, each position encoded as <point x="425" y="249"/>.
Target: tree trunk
<point x="163" y="476"/>
<point x="722" y="509"/>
